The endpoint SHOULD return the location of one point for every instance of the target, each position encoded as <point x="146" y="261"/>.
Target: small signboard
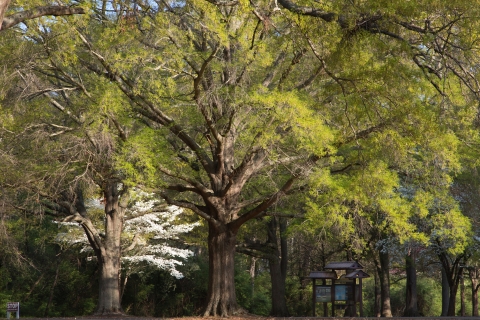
<point x="323" y="293"/>
<point x="343" y="292"/>
<point x="13" y="307"/>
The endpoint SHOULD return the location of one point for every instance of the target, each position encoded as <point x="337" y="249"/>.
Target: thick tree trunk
<point x="221" y="300"/>
<point x="411" y="302"/>
<point x="279" y="305"/>
<point x="107" y="248"/>
<point x="109" y="287"/>
<point x="110" y="255"/>
<point x="453" y="297"/>
<point x="384" y="275"/>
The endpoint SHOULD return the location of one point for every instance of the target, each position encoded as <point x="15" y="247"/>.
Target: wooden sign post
<point x="344" y="293"/>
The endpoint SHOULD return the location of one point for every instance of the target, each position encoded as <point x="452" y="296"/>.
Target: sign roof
<point x="342" y="265"/>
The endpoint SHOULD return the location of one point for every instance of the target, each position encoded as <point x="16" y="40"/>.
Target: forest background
<point x="171" y="158"/>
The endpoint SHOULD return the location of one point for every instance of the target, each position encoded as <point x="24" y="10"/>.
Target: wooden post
<point x="314" y="297"/>
<point x="361" y="297"/>
<point x="325" y="305"/>
<point x="333" y="297"/>
<point x="354" y="298"/>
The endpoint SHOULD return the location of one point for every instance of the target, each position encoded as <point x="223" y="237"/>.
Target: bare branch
<point x="204" y="191"/>
<point x="195" y="208"/>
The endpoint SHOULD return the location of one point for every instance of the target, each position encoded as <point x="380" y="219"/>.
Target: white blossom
<point x="150" y="229"/>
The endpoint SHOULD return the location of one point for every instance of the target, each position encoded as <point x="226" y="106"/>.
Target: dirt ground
<point x="242" y="317"/>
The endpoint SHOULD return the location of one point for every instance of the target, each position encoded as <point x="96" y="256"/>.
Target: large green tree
<point x="240" y="100"/>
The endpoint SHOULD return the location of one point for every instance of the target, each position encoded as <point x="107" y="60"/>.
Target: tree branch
<point x="19" y="17"/>
<point x="307" y="11"/>
<point x="258" y="210"/>
<point x="196" y="209"/>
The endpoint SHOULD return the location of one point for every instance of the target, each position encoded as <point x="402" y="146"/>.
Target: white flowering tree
<point x="152" y="233"/>
<point x="150" y="238"/>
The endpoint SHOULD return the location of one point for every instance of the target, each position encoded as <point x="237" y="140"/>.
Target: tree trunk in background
<point x="384" y="275"/>
<point x="411" y="302"/>
<point x="452" y="300"/>
<point x="445" y="293"/>
<point x="222" y="300"/>
<point x="52" y="290"/>
<point x="451" y="274"/>
<point x="278" y="267"/>
<point x="462" y="295"/>
<point x="3" y="8"/>
<point x="378" y="297"/>
<point x="472" y="272"/>
<point x="253" y="267"/>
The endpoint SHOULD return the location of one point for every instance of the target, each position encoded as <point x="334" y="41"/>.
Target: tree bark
<point x="451" y="274"/>
<point x="384" y="276"/>
<point x="221" y="299"/>
<point x="378" y="297"/>
<point x="462" y="295"/>
<point x="473" y="274"/>
<point x="110" y="254"/>
<point x="109" y="288"/>
<point x="445" y="293"/>
<point x="3" y="8"/>
<point x="19" y="17"/>
<point x="411" y="302"/>
<point x="452" y="299"/>
<point x="278" y="268"/>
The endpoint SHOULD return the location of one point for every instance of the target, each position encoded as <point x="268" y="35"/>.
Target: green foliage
<point x="158" y="294"/>
<point x="253" y="294"/>
<point x="429" y="297"/>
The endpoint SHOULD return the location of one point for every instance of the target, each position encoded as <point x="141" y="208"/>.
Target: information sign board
<point x="323" y="293"/>
<point x="13" y="306"/>
<point x="343" y="292"/>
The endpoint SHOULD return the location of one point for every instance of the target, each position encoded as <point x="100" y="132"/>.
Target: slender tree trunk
<point x="384" y="274"/>
<point x="52" y="290"/>
<point x="445" y="293"/>
<point x="124" y="285"/>
<point x="378" y="297"/>
<point x="253" y="267"/>
<point x="411" y="302"/>
<point x="473" y="277"/>
<point x="221" y="297"/>
<point x="278" y="268"/>
<point x="462" y="295"/>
